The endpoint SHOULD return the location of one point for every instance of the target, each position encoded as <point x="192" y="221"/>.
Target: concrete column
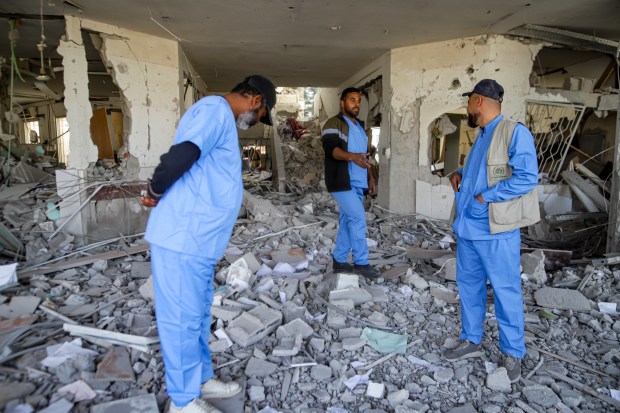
<point x="613" y="230"/>
<point x="82" y="151"/>
<point x="277" y="159"/>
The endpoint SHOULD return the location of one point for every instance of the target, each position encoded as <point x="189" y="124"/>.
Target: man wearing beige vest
<point x="495" y="195"/>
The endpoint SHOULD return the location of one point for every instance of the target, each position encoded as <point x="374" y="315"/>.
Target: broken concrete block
<point x="289" y="346"/>
<point x="467" y="408"/>
<point x="357" y="295"/>
<point x="562" y="299"/>
<point x="378" y="319"/>
<point x="19" y="306"/>
<point x="344" y="281"/>
<point x="257" y="393"/>
<point x="294" y="328"/>
<point x="321" y="373"/>
<point x="443" y="375"/>
<point x="291" y="311"/>
<point x="498" y="381"/>
<point x="252" y="262"/>
<point x="100" y="265"/>
<point x="115" y="366"/>
<point x="336" y="319"/>
<point x="375" y="390"/>
<point x="533" y="265"/>
<point x="353" y="344"/>
<point x="398" y="397"/>
<point x="414" y="278"/>
<point x="443" y="294"/>
<point x="140" y="269"/>
<point x="449" y="270"/>
<point x="349" y="332"/>
<point x="225" y="313"/>
<point x="144" y="404"/>
<point x="251" y="327"/>
<point x="318" y="344"/>
<point x="540" y="395"/>
<point x="147" y="290"/>
<point x="259" y="368"/>
<point x="378" y="294"/>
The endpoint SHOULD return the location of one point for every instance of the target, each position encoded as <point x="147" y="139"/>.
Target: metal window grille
<point x="554" y="126"/>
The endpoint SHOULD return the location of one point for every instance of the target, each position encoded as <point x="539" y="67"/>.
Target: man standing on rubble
<point x="348" y="178"/>
<point x="198" y="190"/>
<point x="495" y="195"/>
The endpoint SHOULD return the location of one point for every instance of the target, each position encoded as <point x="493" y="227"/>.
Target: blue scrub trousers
<point x="351" y="227"/>
<point x="183" y="297"/>
<point x="499" y="262"/>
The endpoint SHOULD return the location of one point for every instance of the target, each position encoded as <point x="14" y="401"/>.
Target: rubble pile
<point x="304" y="157"/>
<point x="300" y="338"/>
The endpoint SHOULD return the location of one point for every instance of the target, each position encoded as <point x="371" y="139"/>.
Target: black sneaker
<point x="465" y="350"/>
<point x="513" y="368"/>
<point x="367" y="271"/>
<point x="342" y="266"/>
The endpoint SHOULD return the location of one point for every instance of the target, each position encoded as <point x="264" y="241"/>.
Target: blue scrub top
<point x="472" y="217"/>
<point x="358" y="143"/>
<point x="197" y="213"/>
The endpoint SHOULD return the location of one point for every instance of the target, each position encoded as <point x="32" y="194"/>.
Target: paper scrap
<point x="608" y="308"/>
<point x="406" y="291"/>
<point x="221" y="334"/>
<point x="59" y="353"/>
<point x="311" y="318"/>
<point x="8" y="274"/>
<point x="615" y="394"/>
<point x="429" y="366"/>
<point x="79" y="389"/>
<point x="445" y="242"/>
<point x="352" y="382"/>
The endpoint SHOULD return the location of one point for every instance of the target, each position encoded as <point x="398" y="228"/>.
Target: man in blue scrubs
<point x="481" y="254"/>
<point x="197" y="190"/>
<point x="347" y="178"/>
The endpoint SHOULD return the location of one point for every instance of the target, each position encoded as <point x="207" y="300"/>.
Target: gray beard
<point x="247" y="119"/>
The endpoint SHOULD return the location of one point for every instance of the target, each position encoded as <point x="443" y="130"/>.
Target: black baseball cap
<point x="488" y="88"/>
<point x="268" y="90"/>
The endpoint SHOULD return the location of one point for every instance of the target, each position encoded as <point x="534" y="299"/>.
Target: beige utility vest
<point x="516" y="212"/>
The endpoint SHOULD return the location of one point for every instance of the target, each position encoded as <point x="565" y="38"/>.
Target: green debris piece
<point x="547" y="314"/>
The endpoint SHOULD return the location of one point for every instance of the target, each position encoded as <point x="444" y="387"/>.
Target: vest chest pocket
<point x="498" y="170"/>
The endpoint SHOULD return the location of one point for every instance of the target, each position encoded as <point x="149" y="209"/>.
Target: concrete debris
<point x="299" y="337"/>
<point x="562" y="299"/>
<point x="498" y="380"/>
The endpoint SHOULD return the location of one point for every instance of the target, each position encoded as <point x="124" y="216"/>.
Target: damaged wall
<point x="427" y="81"/>
<point x="146" y="69"/>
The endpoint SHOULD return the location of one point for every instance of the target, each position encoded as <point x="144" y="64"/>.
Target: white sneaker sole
<point x="216" y="395"/>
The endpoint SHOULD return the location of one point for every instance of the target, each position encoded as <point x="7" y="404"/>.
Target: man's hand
<point x="480" y="199"/>
<point x="360" y="159"/>
<point x="372" y="188"/>
<point x="455" y="181"/>
<point x="147" y="201"/>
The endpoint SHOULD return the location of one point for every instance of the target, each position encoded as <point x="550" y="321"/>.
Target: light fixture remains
<point x="335" y="28"/>
<point x="43" y="76"/>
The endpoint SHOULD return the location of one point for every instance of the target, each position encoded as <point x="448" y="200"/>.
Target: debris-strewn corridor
<point x="92" y="96"/>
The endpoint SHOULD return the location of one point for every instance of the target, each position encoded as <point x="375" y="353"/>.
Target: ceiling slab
<point x="310" y="43"/>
